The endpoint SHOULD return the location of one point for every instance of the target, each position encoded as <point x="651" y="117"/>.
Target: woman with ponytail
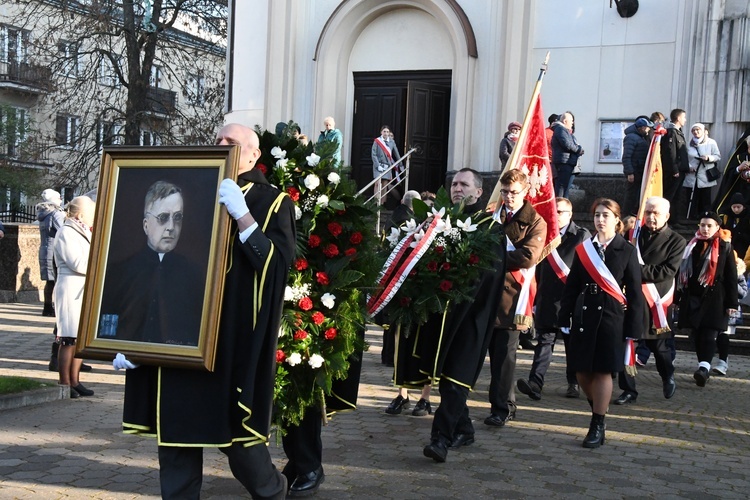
<point x="708" y="291"/>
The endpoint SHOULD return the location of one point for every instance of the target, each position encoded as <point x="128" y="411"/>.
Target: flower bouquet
<point x="434" y="262"/>
<point x="324" y="307"/>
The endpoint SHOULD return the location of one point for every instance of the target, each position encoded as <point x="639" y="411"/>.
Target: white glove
<point x="565" y="330"/>
<point x="231" y="196"/>
<point x="381" y="168"/>
<point x="121" y="363"/>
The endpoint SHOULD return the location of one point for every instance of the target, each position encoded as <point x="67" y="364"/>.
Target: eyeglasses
<point x="508" y="192"/>
<point x="164" y="217"/>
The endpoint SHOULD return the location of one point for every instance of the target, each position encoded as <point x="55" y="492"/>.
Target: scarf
<point x="710" y="259"/>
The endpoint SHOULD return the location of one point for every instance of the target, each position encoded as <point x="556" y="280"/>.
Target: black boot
<point x="595" y="437"/>
<point x="53" y="357"/>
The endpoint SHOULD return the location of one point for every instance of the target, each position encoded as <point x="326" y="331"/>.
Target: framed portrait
<point x="158" y="256"/>
<point x="611" y="135"/>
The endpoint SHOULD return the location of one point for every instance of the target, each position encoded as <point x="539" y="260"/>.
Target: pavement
<point x="696" y="445"/>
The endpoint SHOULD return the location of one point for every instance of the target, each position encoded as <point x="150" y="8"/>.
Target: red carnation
<point x="335" y="229"/>
<point x="355" y="238"/>
<point x="473" y="259"/>
<point x="331" y="250"/>
<point x="305" y="303"/>
<point x="446" y="266"/>
<point x="404" y="301"/>
<point x="263" y="169"/>
<point x="322" y="278"/>
<point x="313" y="241"/>
<point x="432" y="266"/>
<point x="300" y="335"/>
<point x="318" y="317"/>
<point x="330" y="334"/>
<point x="439" y="249"/>
<point x="300" y="264"/>
<point x="280" y="356"/>
<point x="350" y="251"/>
<point x="293" y="193"/>
<point x="445" y="285"/>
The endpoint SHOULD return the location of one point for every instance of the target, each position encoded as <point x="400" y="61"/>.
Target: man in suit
<point x="155" y="295"/>
<point x="526" y="232"/>
<point x="551" y="275"/>
<point x="660" y="253"/>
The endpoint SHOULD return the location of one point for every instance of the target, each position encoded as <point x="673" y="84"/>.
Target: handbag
<point x="712" y="172"/>
<point x="576" y="169"/>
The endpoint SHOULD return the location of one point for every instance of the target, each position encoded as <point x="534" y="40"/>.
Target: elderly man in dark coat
<point x="660" y="253"/>
<point x="526" y="232"/>
<point x="229" y="408"/>
<point x="551" y="275"/>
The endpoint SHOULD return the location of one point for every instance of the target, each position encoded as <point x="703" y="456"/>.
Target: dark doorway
<point x="416" y="105"/>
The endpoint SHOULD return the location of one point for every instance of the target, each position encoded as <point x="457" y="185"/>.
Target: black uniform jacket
<point x="549" y="286"/>
<point x="599" y="323"/>
<point x="233" y="403"/>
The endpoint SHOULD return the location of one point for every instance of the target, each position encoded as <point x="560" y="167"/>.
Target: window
<point x="71" y="60"/>
<point x="13" y="44"/>
<point x="107" y="74"/>
<point x="13" y="123"/>
<point x="195" y="89"/>
<point x="67" y="130"/>
<point x="156" y="75"/>
<point x="149" y="138"/>
<point x="106" y="133"/>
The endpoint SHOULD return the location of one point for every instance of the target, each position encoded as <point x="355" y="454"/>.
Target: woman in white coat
<point x="71" y="249"/>
<point x="703" y="154"/>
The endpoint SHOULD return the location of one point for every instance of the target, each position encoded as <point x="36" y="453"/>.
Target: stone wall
<point x="19" y="264"/>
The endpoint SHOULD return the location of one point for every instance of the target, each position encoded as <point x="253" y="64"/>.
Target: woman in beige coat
<point x="71" y="249"/>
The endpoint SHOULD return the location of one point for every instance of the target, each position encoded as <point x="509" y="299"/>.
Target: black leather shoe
<point x="625" y="398"/>
<point x="701" y="377"/>
<point x="85" y="367"/>
<point x="307" y="484"/>
<point x="460" y="440"/>
<point x="498" y="421"/>
<point x="595" y="436"/>
<point x="422" y="408"/>
<point x="398" y="404"/>
<point x="669" y="387"/>
<point x="81" y="390"/>
<point x="573" y="391"/>
<point x="531" y="389"/>
<point x="436" y="450"/>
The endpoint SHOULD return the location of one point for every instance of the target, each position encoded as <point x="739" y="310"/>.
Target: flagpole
<point x="513" y="160"/>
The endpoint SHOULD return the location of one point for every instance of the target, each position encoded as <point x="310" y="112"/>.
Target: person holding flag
<point x="599" y="313"/>
<point x="551" y="274"/>
<point x="659" y="251"/>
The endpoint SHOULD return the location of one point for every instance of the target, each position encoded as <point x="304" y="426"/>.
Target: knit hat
<point x="737" y="199"/>
<point x="711" y="215"/>
<point x="514" y="125"/>
<point x="643" y="122"/>
<point x="700" y="126"/>
<point x="51" y="196"/>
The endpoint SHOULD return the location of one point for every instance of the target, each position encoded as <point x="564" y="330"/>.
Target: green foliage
<point x="14" y="385"/>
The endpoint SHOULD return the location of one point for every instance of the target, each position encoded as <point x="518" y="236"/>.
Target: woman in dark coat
<point x="708" y="290"/>
<point x="605" y="278"/>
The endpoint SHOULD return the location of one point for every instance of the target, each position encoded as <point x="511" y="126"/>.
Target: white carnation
<point x="288" y="294"/>
<point x="334" y="178"/>
<point x="312" y="181"/>
<point x="322" y="201"/>
<point x="328" y="300"/>
<point x="316" y="361"/>
<point x="313" y="159"/>
<point x="294" y="359"/>
<point x="278" y="153"/>
<point x="282" y="163"/>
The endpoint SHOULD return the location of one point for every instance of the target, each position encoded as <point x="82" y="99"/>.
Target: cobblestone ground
<point x="696" y="445"/>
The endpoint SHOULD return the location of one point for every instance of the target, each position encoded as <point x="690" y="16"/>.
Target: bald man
<point x="229" y="408"/>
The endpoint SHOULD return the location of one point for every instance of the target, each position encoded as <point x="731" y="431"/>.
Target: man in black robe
<point x="467" y="335"/>
<point x="229" y="408"/>
<point x="155" y="295"/>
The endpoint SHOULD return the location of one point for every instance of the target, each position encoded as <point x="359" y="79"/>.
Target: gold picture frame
<point x="158" y="256"/>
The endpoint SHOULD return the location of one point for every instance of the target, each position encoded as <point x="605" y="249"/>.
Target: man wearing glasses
<point x="525" y="231"/>
<point x="156" y="294"/>
<point x="551" y="275"/>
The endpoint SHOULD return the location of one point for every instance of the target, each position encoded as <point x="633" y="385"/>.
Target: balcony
<point x="25" y="77"/>
<point x="160" y="102"/>
<point x="29" y="153"/>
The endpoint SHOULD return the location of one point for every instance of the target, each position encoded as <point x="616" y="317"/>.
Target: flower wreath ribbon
<point x="656" y="303"/>
<point x="525" y="304"/>
<point x="392" y="278"/>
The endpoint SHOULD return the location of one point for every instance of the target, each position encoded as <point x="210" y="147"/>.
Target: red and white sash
<point x="656" y="303"/>
<point x="523" y="313"/>
<point x="599" y="271"/>
<point x="558" y="265"/>
<point x="382" y="145"/>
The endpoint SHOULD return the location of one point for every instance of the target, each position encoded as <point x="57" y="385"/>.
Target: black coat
<point x="233" y="403"/>
<point x="706" y="307"/>
<point x="549" y="286"/>
<point x="599" y="323"/>
<point x="674" y="154"/>
<point x="662" y="254"/>
<point x="739" y="226"/>
<point x="635" y="148"/>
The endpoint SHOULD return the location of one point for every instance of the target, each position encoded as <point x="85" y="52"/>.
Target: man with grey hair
<point x="660" y="254"/>
<point x="156" y="294"/>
